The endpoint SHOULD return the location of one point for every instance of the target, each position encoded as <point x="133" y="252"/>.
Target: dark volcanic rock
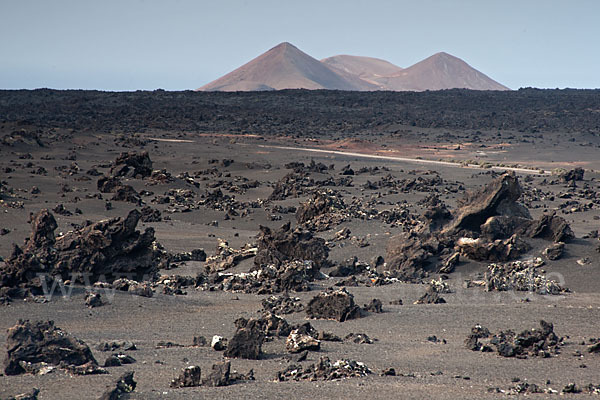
<point x="375" y="306"/>
<point x="150" y="214"/>
<point x="322" y="211"/>
<point x="575" y="174"/>
<point x="93" y="300"/>
<point x="189" y="377"/>
<point x="297" y="342"/>
<point x="359" y="338"/>
<point x="436" y="213"/>
<point x="541" y="342"/>
<point x="497" y="198"/>
<point x="291" y="185"/>
<point x="132" y="165"/>
<point x="431" y="296"/>
<point x="284" y="244"/>
<point x="498" y="250"/>
<point x="333" y="304"/>
<point x="108" y="184"/>
<point x="125" y="385"/>
<point x="554" y="251"/>
<point x="268" y="279"/>
<point x="348" y="267"/>
<point x="247" y="341"/>
<point x="118" y="359"/>
<point x="103" y="251"/>
<point x="324" y="370"/>
<point x="29" y="344"/>
<point x="283" y="304"/>
<point x="32" y="395"/>
<point x="549" y="227"/>
<point x="408" y="254"/>
<point x="521" y="276"/>
<point x="219" y="375"/>
<point x="127" y="193"/>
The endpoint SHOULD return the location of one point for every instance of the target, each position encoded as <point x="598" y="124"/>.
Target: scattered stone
<point x="571" y="388"/>
<point x="359" y="338"/>
<point x="328" y="337"/>
<point x="132" y="165"/>
<point x="388" y="372"/>
<point x="324" y="370"/>
<point x="283" y="304"/>
<point x="541" y="342"/>
<point x="550" y="227"/>
<point x="127" y="193"/>
<point x="33" y="395"/>
<point x="267" y="279"/>
<point x="93" y="300"/>
<point x="199" y="341"/>
<point x="125" y="385"/>
<point x="150" y="214"/>
<point x="333" y="304"/>
<point x="375" y="306"/>
<point x="450" y="264"/>
<point x="30" y="345"/>
<point x="194" y="255"/>
<point x="143" y="289"/>
<point x="584" y="261"/>
<point x="297" y="342"/>
<point x="116" y="345"/>
<point x="431" y="296"/>
<point x="167" y="345"/>
<point x="520" y="276"/>
<point x="554" y="251"/>
<point x="118" y="359"/>
<point x="594" y="347"/>
<point x="218" y="343"/>
<point x="61" y="210"/>
<point x="189" y="377"/>
<point x="498" y="250"/>
<point x="227" y="257"/>
<point x="108" y="184"/>
<point x="322" y="211"/>
<point x="575" y="174"/>
<point x="284" y="244"/>
<point x="349" y="267"/>
<point x="219" y="375"/>
<point x="175" y="284"/>
<point x="247" y="340"/>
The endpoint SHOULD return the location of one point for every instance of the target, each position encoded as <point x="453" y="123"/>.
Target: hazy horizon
<point x="181" y="45"/>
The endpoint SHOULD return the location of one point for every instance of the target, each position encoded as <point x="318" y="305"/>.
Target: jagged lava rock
<point x="297" y="342"/>
<point x="247" y="340"/>
<point x="333" y="304"/>
<point x="284" y="244"/>
<point x="103" y="250"/>
<point x="41" y="342"/>
<point x="133" y="165"/>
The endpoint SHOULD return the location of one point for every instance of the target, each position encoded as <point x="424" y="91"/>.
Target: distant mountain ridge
<point x="287" y="67"/>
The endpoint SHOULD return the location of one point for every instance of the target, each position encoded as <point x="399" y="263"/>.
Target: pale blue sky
<point x="183" y="44"/>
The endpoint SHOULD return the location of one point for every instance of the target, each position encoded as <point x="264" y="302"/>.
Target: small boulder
<point x="297" y="342"/>
<point x="333" y="304"/>
<point x="247" y="341"/>
<point x="188" y="377"/>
